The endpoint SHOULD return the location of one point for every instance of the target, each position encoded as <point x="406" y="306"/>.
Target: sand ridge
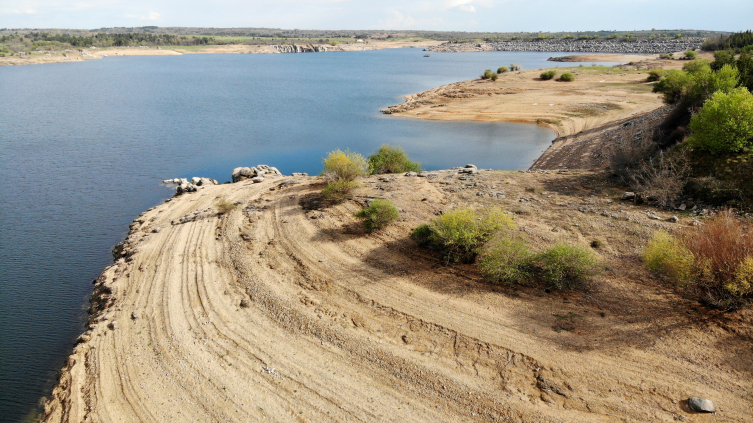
<point x="340" y="325"/>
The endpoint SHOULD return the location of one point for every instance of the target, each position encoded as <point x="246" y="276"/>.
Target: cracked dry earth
<point x="285" y="310"/>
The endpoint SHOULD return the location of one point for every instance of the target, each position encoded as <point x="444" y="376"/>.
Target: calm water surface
<point x="83" y="147"/>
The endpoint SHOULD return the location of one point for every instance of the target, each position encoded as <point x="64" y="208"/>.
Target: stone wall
<point x="642" y="46"/>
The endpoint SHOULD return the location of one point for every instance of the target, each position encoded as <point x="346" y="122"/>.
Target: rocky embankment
<point x="575" y="45"/>
<point x="297" y="48"/>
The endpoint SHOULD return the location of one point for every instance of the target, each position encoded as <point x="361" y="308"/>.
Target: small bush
<point x="690" y="55"/>
<point x="460" y="232"/>
<point x="389" y="159"/>
<point x="506" y="260"/>
<point x="664" y="254"/>
<point x="487" y="74"/>
<point x="564" y="266"/>
<point x="713" y="262"/>
<point x="502" y="69"/>
<point x="344" y="165"/>
<point x="567" y="77"/>
<point x="223" y="206"/>
<point x="378" y="214"/>
<point x="339" y="190"/>
<point x="514" y="67"/>
<point x="547" y="75"/>
<point x="667" y="56"/>
<point x="655" y="75"/>
<point x="725" y="123"/>
<point x="494" y="76"/>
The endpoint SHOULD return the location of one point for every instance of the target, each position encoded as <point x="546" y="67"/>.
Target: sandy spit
<point x="285" y="310"/>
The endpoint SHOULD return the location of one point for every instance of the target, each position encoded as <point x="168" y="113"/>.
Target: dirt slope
<point x="339" y="325"/>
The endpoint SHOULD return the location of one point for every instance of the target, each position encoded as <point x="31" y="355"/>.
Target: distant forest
<point x="737" y="41"/>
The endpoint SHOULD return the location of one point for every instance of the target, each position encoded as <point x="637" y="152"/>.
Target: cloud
<point x="152" y="16"/>
<point x="465" y="5"/>
<point x="397" y="20"/>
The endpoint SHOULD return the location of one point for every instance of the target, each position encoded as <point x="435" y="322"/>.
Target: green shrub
<point x="487" y="74"/>
<point x="502" y="69"/>
<point x="690" y="55"/>
<point x="460" y="232"/>
<point x="664" y="254"/>
<point x="725" y="123"/>
<point x="494" y="76"/>
<point x="389" y="159"/>
<point x="506" y="260"/>
<point x="674" y="86"/>
<point x="564" y="266"/>
<point x="567" y="77"/>
<point x="547" y="75"/>
<point x="378" y="214"/>
<point x="667" y="56"/>
<point x="713" y="262"/>
<point x="344" y="165"/>
<point x="655" y="75"/>
<point x="339" y="190"/>
<point x="223" y="206"/>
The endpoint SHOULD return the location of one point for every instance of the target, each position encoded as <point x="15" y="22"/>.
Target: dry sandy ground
<point x="340" y="325"/>
<point x="596" y="97"/>
<point x="74" y="56"/>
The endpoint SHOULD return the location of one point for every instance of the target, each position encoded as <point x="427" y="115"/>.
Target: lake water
<point x="84" y="146"/>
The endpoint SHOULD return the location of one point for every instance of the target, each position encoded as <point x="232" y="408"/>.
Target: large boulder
<point x="259" y="171"/>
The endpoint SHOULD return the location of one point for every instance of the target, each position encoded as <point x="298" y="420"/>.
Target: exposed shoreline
<point x="101" y="53"/>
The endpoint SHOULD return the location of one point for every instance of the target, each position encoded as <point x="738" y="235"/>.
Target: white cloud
<point x="397" y="20"/>
<point x="152" y="16"/>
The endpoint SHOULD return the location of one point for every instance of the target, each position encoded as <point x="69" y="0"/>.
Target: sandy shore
<point x="100" y="53"/>
<point x="596" y="97"/>
<point x="286" y="311"/>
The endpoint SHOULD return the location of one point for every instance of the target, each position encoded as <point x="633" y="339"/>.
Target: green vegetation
<point x="502" y="69"/>
<point x="725" y="122"/>
<point x="341" y="168"/>
<point x="506" y="260"/>
<point x="494" y="76"/>
<point x="223" y="206"/>
<point x="547" y="75"/>
<point x="344" y="165"/>
<point x="564" y="266"/>
<point x="459" y="233"/>
<point x="713" y="261"/>
<point x="487" y="74"/>
<point x="339" y="190"/>
<point x="736" y="41"/>
<point x="655" y="75"/>
<point x="389" y="159"/>
<point x="690" y="55"/>
<point x="378" y="214"/>
<point x="567" y="77"/>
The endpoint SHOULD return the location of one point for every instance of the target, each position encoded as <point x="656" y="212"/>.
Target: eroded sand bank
<point x="285" y="310"/>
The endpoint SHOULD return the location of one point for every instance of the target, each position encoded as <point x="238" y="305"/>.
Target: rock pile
<point x="256" y="174"/>
<point x="604" y="45"/>
<point x="295" y="48"/>
<point x="184" y="185"/>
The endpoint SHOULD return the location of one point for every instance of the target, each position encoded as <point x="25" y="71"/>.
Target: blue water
<point x="83" y="147"/>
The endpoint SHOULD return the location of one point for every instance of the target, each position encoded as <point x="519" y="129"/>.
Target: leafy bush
<point x="655" y="75"/>
<point x="389" y="159"/>
<point x="345" y="165"/>
<point x="494" y="76"/>
<point x="567" y="77"/>
<point x="565" y="266"/>
<point x="696" y="83"/>
<point x="547" y="75"/>
<point x="664" y="254"/>
<point x="460" y="232"/>
<point x="724" y="123"/>
<point x="506" y="260"/>
<point x="713" y="261"/>
<point x="487" y="74"/>
<point x="690" y="55"/>
<point x="378" y="214"/>
<point x="667" y="56"/>
<point x="223" y="206"/>
<point x="502" y="69"/>
<point x="339" y="190"/>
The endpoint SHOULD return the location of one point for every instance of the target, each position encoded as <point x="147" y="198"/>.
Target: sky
<point x="444" y="15"/>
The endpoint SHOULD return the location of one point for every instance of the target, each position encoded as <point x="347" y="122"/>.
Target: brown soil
<point x="340" y="325"/>
<point x="596" y="97"/>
